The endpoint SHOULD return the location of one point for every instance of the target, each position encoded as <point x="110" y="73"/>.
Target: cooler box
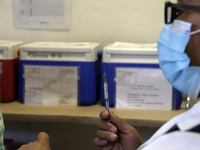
<point x="9" y="62"/>
<point x="134" y="78"/>
<point x="72" y="61"/>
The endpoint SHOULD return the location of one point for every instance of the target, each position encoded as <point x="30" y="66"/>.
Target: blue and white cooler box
<point x="56" y="73"/>
<point x="135" y="80"/>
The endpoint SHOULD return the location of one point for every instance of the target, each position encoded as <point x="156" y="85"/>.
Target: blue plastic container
<point x="81" y="55"/>
<point x="126" y="55"/>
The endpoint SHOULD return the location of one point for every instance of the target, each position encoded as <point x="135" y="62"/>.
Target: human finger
<point x="107" y="126"/>
<point x="120" y="124"/>
<point x="99" y="142"/>
<point x="104" y="115"/>
<point x="106" y="135"/>
<point x="43" y="138"/>
<point x="22" y="147"/>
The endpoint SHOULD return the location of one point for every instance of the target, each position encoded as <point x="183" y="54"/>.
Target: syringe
<point x="106" y="91"/>
<point x="106" y="97"/>
<point x="105" y="85"/>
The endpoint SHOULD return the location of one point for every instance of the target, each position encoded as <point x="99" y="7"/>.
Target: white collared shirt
<point x="182" y="139"/>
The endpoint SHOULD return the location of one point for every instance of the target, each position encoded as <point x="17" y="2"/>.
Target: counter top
<point x="18" y="112"/>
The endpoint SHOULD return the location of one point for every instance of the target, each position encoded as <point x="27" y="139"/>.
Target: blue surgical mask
<point x="173" y="60"/>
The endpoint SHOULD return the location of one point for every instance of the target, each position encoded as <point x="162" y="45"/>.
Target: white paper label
<point x="142" y="88"/>
<point x="41" y="14"/>
<point x="105" y="90"/>
<point x="127" y="77"/>
<point x="42" y="55"/>
<point x="50" y="85"/>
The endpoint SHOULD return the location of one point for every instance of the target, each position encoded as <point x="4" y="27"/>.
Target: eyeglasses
<point x="172" y="11"/>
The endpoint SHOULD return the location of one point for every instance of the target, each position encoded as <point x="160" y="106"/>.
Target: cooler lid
<point x="74" y="47"/>
<point x="9" y="49"/>
<point x="131" y="48"/>
<point x="7" y="45"/>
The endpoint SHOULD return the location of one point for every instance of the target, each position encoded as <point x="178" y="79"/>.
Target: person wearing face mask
<point x="179" y="59"/>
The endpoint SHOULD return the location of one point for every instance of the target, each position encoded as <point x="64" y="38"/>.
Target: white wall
<point x="103" y="21"/>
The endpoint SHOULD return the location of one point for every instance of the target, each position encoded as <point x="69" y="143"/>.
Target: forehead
<point x="189" y="2"/>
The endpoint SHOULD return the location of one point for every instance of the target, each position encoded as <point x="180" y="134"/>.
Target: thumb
<point x="121" y="125"/>
<point x="43" y="138"/>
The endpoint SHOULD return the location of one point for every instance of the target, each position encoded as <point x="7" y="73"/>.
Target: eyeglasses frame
<point x="175" y="6"/>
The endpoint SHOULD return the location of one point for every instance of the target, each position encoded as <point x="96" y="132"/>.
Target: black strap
<point x="174" y="128"/>
<point x="194" y="129"/>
